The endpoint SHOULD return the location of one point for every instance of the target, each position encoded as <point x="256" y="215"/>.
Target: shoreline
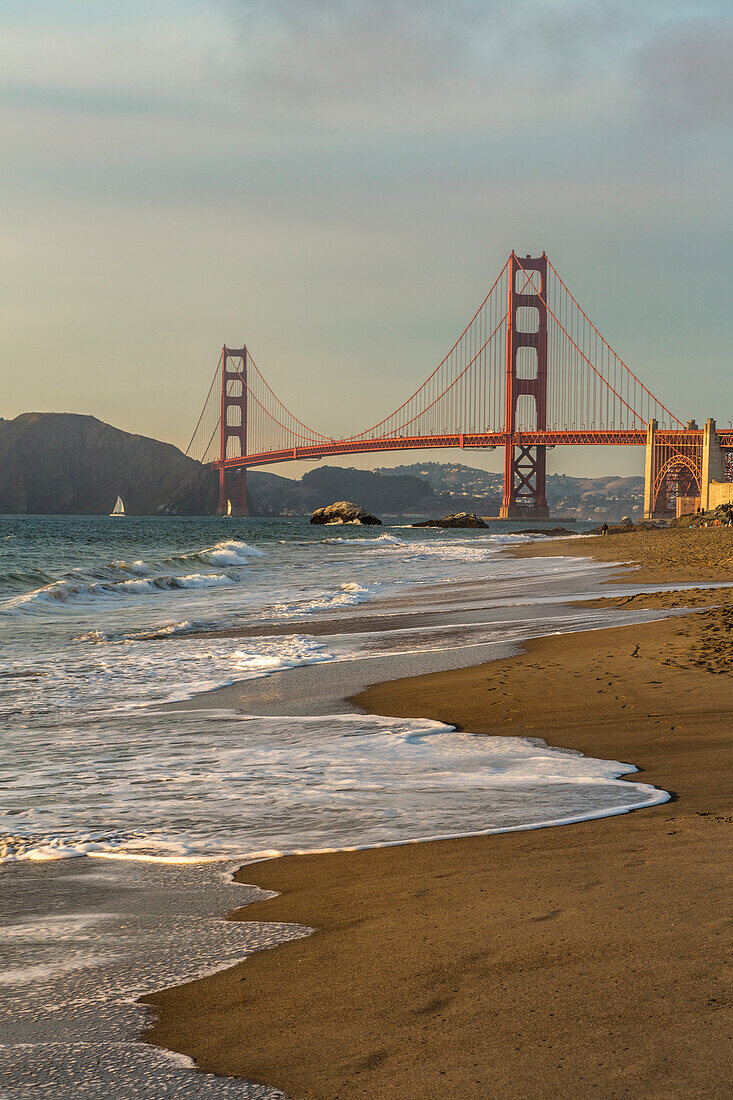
<point x="651" y="553"/>
<point x="451" y="992"/>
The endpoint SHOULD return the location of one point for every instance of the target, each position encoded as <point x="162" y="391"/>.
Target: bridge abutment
<point x="713" y="465"/>
<point x="233" y="491"/>
<point x="525" y="468"/>
<point x="684" y="469"/>
<point x="649" y="471"/>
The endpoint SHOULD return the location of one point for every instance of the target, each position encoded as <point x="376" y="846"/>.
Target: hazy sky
<point x="337" y="183"/>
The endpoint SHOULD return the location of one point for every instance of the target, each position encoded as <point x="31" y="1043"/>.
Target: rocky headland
<point x="65" y="463"/>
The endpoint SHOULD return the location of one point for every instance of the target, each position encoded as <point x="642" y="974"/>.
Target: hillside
<point x="396" y="494"/>
<point x="67" y="463"/>
<point x="590" y="498"/>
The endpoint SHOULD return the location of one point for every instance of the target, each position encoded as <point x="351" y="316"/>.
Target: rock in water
<point x="344" y="511"/>
<point x="457" y="519"/>
<point x="551" y="531"/>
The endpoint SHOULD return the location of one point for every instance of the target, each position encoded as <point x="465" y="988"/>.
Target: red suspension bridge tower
<point x="233" y="426"/>
<point x="525" y="465"/>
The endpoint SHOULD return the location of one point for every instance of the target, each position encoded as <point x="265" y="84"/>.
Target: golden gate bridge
<point x="530" y="371"/>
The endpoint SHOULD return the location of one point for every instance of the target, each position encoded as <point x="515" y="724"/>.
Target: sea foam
<point x="216" y="785"/>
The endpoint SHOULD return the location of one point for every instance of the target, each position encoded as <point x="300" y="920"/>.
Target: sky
<point x="336" y="183"/>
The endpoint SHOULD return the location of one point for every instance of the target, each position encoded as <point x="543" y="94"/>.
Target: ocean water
<point x="135" y="777"/>
<point x="105" y="621"/>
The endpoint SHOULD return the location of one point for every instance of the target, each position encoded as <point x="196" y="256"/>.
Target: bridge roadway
<point x="582" y="438"/>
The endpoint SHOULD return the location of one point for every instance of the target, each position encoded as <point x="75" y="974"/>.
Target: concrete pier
<point x="649" y="470"/>
<point x="713" y="466"/>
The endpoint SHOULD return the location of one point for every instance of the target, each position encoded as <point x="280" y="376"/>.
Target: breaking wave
<point x="226" y="553"/>
<point x="477" y="549"/>
<point x="122" y="578"/>
<point x="168" y="631"/>
<point x="63" y="592"/>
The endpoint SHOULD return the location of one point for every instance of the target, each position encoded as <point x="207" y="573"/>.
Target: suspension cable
<point x="206" y="401"/>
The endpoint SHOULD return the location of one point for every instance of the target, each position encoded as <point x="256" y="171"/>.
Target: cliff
<point x="67" y="463"/>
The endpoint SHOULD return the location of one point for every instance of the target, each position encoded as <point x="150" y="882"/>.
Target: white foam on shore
<point x="70" y="1014"/>
<point x="132" y="672"/>
<point x="346" y="595"/>
<point x="215" y="786"/>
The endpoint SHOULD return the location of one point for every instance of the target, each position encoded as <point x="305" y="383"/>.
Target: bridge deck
<point x="487" y="440"/>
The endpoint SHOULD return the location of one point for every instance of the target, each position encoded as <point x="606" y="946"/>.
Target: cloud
<point x="415" y="65"/>
<point x="128" y="62"/>
<point x="350" y="60"/>
<point x="686" y="74"/>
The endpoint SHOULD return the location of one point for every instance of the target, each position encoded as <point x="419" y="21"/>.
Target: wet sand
<point x="590" y="959"/>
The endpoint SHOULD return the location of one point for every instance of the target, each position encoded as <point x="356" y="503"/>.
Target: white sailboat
<point x="229" y="507"/>
<point x="119" y="508"/>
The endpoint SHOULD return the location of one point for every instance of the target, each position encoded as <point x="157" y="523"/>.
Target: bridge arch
<point x="680" y="474"/>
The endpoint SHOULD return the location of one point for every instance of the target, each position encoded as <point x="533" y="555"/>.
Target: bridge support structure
<point x="675" y="469"/>
<point x="525" y="466"/>
<point x="649" y="471"/>
<point x="233" y="426"/>
<point x="713" y="462"/>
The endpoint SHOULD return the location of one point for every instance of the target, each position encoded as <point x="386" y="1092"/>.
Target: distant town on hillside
<point x="574" y="497"/>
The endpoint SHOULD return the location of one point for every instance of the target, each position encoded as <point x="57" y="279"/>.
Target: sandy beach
<point x="659" y="554"/>
<point x="583" y="960"/>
